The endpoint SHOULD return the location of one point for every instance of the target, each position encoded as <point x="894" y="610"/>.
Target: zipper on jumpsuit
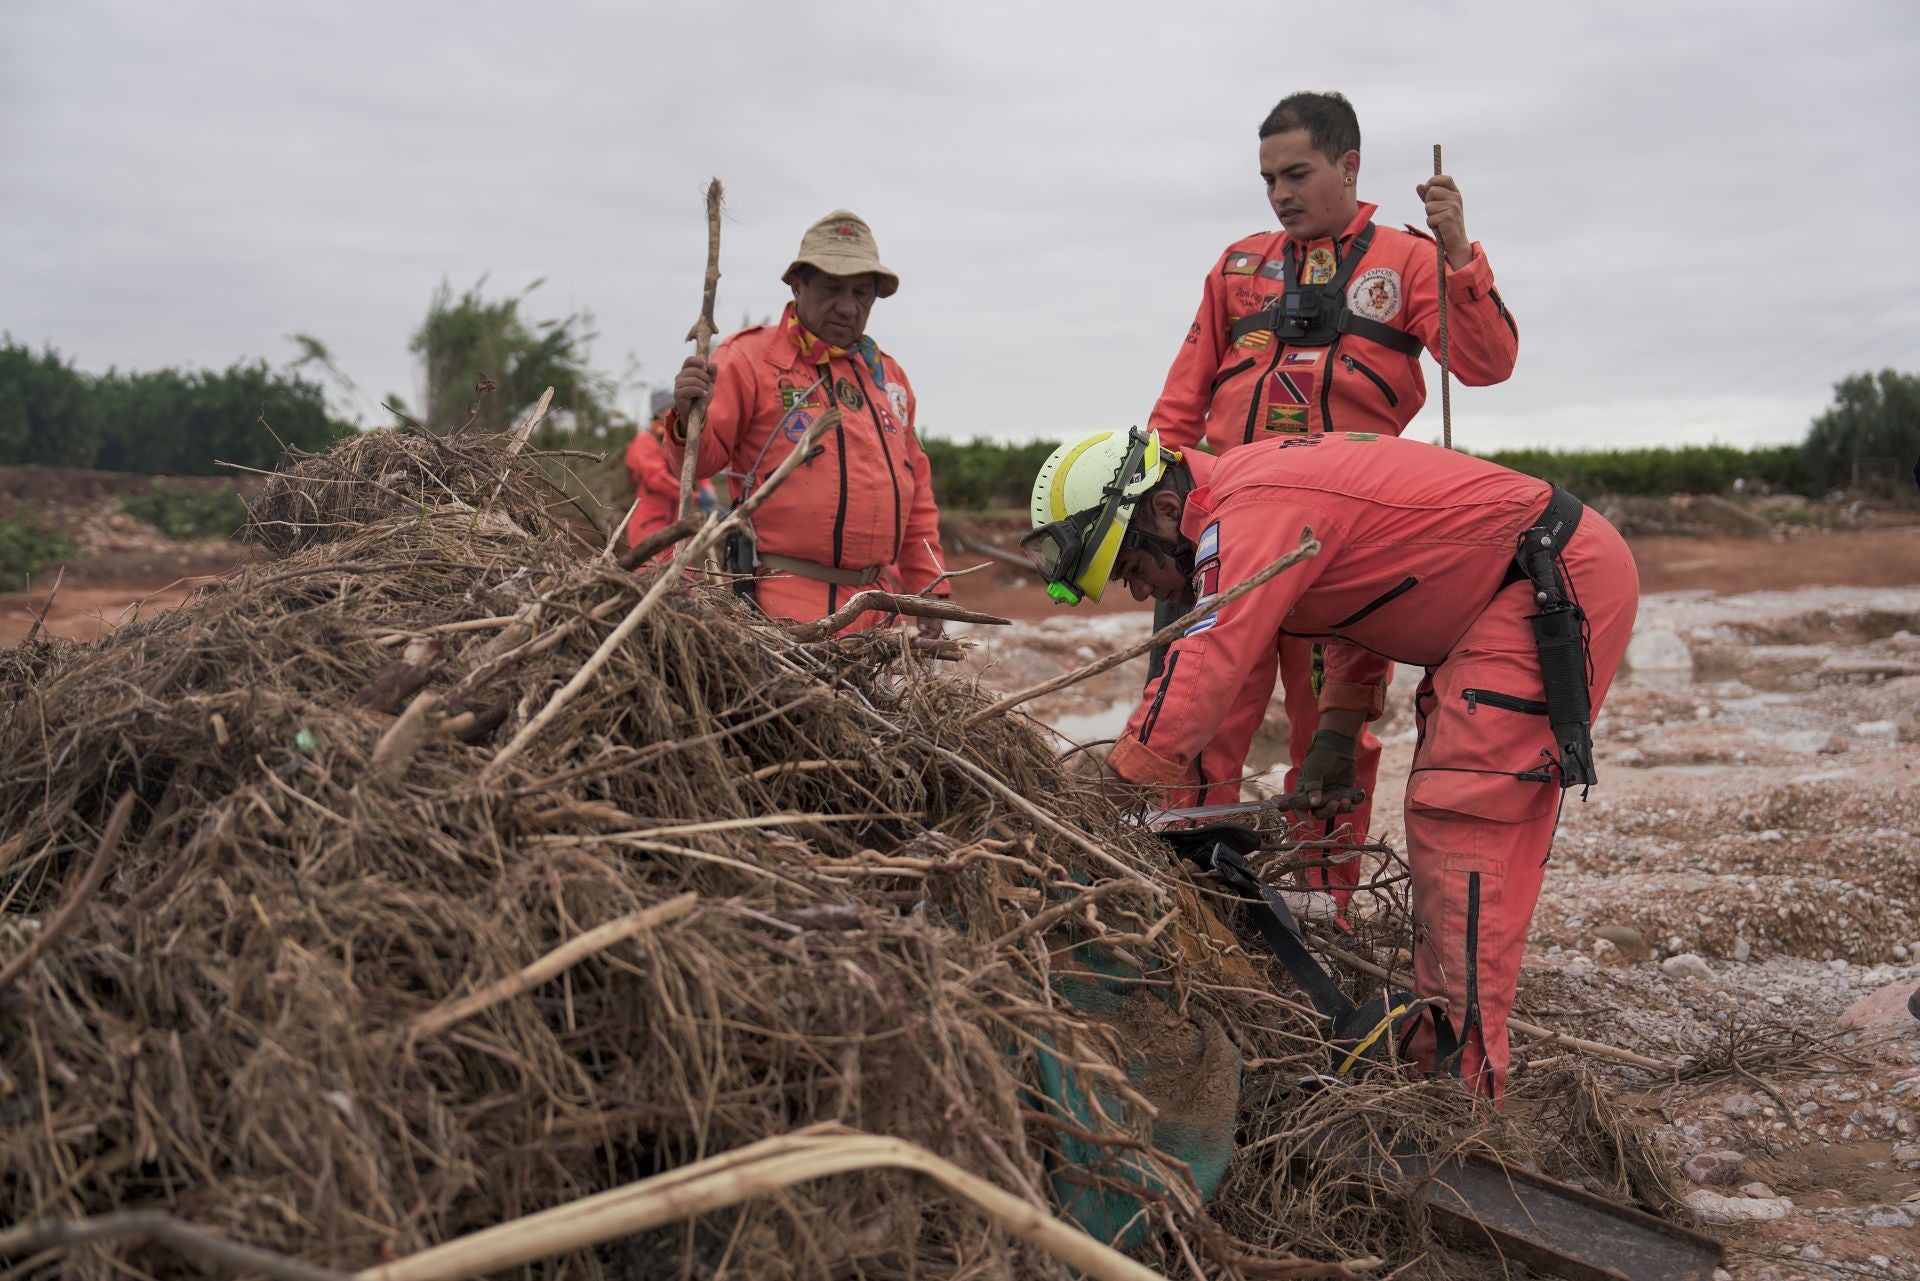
<point x="840" y="512"/>
<point x="1354" y="366"/>
<point x="1509" y="702"/>
<point x="886" y="451"/>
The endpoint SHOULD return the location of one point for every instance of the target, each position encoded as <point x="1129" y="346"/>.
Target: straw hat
<point x="841" y="244"/>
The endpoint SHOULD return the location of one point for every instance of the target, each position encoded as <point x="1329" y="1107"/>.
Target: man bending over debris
<point x="1319" y="326"/>
<point x="862" y="508"/>
<point x="1484" y="577"/>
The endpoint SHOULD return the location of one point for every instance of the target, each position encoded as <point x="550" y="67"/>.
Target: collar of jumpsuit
<point x="818" y="351"/>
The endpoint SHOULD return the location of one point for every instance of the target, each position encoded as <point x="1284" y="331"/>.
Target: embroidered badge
<point x="1363" y="435"/>
<point x="1240" y="265"/>
<point x="1193" y="333"/>
<point x="1376" y="294"/>
<point x="849" y="394"/>
<point x="791" y="397"/>
<point x="1302" y="357"/>
<point x="1208" y="548"/>
<point x="1287" y="418"/>
<point x="1274" y="269"/>
<point x="1255" y="339"/>
<point x="1301" y="440"/>
<point x="1288" y="387"/>
<point x="795" y="424"/>
<point x="897" y="397"/>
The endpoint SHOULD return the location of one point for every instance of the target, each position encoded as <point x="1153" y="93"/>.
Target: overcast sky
<point x="1701" y="214"/>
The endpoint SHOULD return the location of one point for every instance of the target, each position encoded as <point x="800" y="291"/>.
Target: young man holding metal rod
<point x="1319" y="327"/>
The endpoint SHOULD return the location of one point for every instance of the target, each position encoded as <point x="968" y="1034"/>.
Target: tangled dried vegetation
<point x="336" y="994"/>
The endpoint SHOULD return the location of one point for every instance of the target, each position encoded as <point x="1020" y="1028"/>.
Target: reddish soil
<point x="1884" y="557"/>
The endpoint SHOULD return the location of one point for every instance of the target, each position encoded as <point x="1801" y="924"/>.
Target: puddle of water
<point x="1671" y="680"/>
<point x="1087" y="727"/>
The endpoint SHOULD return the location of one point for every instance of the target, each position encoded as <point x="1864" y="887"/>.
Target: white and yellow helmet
<point x="1082" y="501"/>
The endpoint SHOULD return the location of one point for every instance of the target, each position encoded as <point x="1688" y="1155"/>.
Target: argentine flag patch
<point x="1206" y="576"/>
<point x="1209" y="546"/>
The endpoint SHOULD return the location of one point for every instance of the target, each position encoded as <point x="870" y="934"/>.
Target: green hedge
<point x="1685" y="469"/>
<point x="181" y="512"/>
<point x="27" y="543"/>
<point x="166" y="422"/>
<point x="985" y="473"/>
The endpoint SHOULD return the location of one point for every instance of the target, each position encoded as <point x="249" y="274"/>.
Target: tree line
<point x="185" y="422"/>
<point x="1867" y="440"/>
<point x="168" y="421"/>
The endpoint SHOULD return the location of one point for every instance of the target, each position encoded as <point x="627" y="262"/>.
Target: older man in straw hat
<point x="861" y="511"/>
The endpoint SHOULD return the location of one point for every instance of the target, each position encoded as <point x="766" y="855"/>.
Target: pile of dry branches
<point x="304" y="958"/>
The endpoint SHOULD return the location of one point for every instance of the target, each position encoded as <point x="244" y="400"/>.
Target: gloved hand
<point x="1329" y="764"/>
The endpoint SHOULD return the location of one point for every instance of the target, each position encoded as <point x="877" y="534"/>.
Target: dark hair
<point x="804" y="272"/>
<point x="1328" y="118"/>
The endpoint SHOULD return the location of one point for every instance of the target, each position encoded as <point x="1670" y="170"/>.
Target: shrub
<point x="27" y="543"/>
<point x="182" y="512"/>
<point x="985" y="473"/>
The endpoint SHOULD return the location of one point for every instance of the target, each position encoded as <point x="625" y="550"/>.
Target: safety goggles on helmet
<point x="1076" y="551"/>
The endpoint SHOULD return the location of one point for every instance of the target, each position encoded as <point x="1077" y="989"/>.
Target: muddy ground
<point x="1747" y="871"/>
<point x="1746" y="874"/>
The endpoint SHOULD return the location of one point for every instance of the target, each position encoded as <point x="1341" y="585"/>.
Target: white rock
<point x="1715" y="1208"/>
<point x="1742" y="950"/>
<point x="1804" y="742"/>
<point x="1758" y="1189"/>
<point x="1740" y="1105"/>
<point x="1877" y="731"/>
<point x="1658" y="651"/>
<point x="1686" y="966"/>
<point x="1812" y="1253"/>
<point x="1889" y="1216"/>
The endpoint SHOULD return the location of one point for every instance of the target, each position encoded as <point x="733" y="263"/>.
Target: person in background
<point x="656" y="486"/>
<point x="860" y="512"/>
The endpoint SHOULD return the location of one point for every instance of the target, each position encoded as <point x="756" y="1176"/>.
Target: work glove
<point x="1329" y="762"/>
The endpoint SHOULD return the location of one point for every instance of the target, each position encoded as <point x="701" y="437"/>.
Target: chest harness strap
<point x="1316" y="315"/>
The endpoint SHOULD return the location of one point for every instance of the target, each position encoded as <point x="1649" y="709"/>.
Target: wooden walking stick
<point x="701" y="335"/>
<point x="1440" y="276"/>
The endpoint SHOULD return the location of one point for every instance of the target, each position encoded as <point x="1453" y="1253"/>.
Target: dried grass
<point x="238" y="1025"/>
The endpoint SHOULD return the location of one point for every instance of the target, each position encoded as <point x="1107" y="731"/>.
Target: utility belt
<point x="822" y="573"/>
<point x="744" y="561"/>
<point x="1559" y="634"/>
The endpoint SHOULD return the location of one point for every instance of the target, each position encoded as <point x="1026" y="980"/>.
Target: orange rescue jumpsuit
<point x="1416" y="542"/>
<point x="862" y="506"/>
<point x="655" y="485"/>
<point x="1233" y="392"/>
